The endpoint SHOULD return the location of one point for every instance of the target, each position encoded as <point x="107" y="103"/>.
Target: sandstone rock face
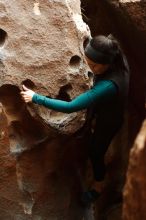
<point x="135" y="9"/>
<point x="41" y="46"/>
<point x="135" y="189"/>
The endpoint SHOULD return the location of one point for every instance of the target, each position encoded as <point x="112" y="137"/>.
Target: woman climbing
<point x="106" y="98"/>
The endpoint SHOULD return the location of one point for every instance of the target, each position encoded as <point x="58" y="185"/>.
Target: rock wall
<point x="41" y="46"/>
<point x="42" y="158"/>
<point x="135" y="188"/>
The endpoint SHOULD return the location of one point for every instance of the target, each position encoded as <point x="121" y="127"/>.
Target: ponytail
<point x="120" y="61"/>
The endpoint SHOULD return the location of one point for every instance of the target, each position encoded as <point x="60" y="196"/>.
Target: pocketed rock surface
<point x="41" y="46"/>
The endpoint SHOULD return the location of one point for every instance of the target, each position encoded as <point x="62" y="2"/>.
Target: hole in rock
<point x="63" y="93"/>
<point x="10" y="97"/>
<point x="90" y="75"/>
<point x="75" y="61"/>
<point x="86" y="41"/>
<point x="8" y="89"/>
<point x="3" y="36"/>
<point x="22" y="123"/>
<point x="28" y="83"/>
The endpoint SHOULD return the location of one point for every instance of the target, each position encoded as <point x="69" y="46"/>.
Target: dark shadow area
<point x="75" y="61"/>
<point x="63" y="93"/>
<point x="3" y="36"/>
<point x="25" y="131"/>
<point x="28" y="83"/>
<point x="86" y="41"/>
<point x="106" y="17"/>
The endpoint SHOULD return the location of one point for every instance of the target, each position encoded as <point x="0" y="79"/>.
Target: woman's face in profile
<point x="96" y="68"/>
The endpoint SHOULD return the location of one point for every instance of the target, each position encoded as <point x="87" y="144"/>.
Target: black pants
<point x="100" y="140"/>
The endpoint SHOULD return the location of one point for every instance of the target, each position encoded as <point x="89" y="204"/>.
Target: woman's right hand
<point x="27" y="94"/>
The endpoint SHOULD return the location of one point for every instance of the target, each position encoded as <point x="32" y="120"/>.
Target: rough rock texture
<point x="135" y="189"/>
<point x="41" y="157"/>
<point x="44" y="50"/>
<point x="41" y="46"/>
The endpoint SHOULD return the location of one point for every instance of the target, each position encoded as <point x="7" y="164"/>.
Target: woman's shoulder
<point x="104" y="84"/>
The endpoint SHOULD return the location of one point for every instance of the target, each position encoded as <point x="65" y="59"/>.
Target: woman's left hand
<point x="27" y="94"/>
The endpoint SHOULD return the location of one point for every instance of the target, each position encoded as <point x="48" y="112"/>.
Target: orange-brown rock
<point x="135" y="189"/>
<point x="41" y="46"/>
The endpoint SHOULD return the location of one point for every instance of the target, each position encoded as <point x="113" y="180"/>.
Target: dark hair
<point x="110" y="52"/>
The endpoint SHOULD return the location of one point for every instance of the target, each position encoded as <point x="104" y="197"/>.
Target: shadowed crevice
<point x="63" y="93"/>
<point x="3" y="37"/>
<point x="25" y="131"/>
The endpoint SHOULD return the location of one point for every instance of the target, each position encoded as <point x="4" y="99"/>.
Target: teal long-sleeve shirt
<point x="103" y="91"/>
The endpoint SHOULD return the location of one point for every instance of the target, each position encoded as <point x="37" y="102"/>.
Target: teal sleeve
<point x="102" y="91"/>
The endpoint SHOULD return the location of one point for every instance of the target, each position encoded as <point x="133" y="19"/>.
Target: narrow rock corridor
<point x="44" y="163"/>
